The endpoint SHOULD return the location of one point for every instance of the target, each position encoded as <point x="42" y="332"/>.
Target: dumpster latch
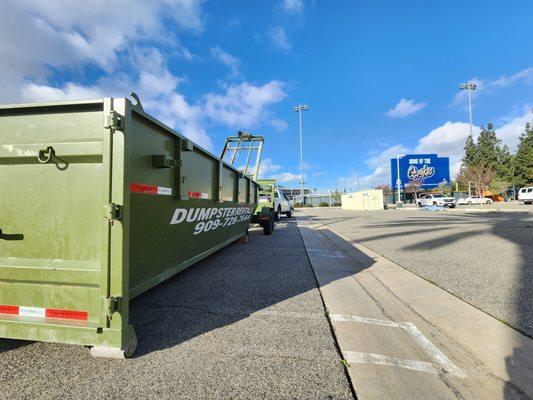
<point x="114" y="121"/>
<point x="113" y="212"/>
<point x="111" y="306"/>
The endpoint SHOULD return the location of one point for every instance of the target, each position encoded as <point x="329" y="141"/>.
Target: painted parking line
<point x="440" y="361"/>
<point x="354" y="357"/>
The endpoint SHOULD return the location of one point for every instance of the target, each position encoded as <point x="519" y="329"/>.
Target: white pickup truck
<point x="281" y="205"/>
<point x="436" y="200"/>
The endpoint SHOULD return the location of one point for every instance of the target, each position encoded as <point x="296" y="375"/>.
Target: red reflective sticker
<point x="141" y="188"/>
<point x="12" y="310"/>
<point x="66" y="314"/>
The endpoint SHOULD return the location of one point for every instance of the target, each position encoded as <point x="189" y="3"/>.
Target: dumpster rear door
<point x="53" y="235"/>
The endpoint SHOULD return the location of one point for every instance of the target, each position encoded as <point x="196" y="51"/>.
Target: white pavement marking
<point x="354" y="357"/>
<point x="353" y="318"/>
<point x="414" y="333"/>
<point x="432" y="350"/>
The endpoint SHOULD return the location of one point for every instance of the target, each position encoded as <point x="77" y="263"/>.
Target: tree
<point x="481" y="176"/>
<point x="487" y="148"/>
<point x="505" y="168"/>
<point x="444" y="188"/>
<point x="499" y="186"/>
<point x="414" y="186"/>
<point x="470" y="152"/>
<point x="488" y="153"/>
<point x="336" y="196"/>
<point x="385" y="187"/>
<point x="523" y="160"/>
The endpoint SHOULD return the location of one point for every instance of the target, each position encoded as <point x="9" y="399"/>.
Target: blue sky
<point x="380" y="78"/>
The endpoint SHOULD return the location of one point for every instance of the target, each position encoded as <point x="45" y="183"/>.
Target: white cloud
<point x="513" y="127"/>
<point x="278" y="38"/>
<point x="32" y="92"/>
<point x="525" y="74"/>
<point x="38" y="39"/>
<point x="286" y="177"/>
<point x="292" y="6"/>
<point x="268" y="167"/>
<point x="489" y="86"/>
<point x="227" y="59"/>
<point x="244" y="105"/>
<point x="37" y="36"/>
<point x="404" y="108"/>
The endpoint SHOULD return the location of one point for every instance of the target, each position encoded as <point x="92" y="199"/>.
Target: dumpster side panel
<point x="51" y="221"/>
<point x="182" y="211"/>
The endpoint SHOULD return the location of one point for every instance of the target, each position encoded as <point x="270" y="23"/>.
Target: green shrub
<point x="298" y="205"/>
<point x="323" y="204"/>
<point x="308" y="205"/>
<point x="336" y="205"/>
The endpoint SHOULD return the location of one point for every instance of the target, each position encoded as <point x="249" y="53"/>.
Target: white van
<point x="526" y="195"/>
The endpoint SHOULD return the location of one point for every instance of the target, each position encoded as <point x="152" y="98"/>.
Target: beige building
<point x="364" y="200"/>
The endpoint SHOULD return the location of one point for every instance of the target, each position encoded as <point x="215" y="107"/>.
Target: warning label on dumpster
<point x="208" y="219"/>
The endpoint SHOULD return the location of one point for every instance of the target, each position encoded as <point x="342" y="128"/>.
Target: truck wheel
<point x="419" y="204"/>
<point x="434" y="203"/>
<point x="277" y="216"/>
<point x="469" y="203"/>
<point x="289" y="214"/>
<point x="489" y="201"/>
<point x="268" y="226"/>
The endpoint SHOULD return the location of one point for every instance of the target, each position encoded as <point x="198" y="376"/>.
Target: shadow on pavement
<point x="225" y="288"/>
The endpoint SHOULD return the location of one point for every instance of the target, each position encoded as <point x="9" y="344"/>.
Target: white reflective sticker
<point x="164" y="190"/>
<point x="32" y="312"/>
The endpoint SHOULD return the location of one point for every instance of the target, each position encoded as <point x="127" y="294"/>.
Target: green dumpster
<point x="100" y="202"/>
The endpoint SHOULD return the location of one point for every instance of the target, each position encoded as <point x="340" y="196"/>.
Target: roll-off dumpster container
<point x="99" y="203"/>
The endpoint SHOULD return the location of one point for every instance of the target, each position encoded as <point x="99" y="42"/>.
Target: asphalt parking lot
<point x="484" y="258"/>
<point x="247" y="322"/>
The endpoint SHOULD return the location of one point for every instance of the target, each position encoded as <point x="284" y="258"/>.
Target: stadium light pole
<point x="398" y="180"/>
<point x="299" y="109"/>
<point x="469" y="87"/>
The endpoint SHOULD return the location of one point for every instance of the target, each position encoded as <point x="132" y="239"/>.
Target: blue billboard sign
<point x="429" y="168"/>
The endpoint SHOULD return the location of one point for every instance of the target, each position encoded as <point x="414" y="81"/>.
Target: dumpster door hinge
<point x="114" y="121"/>
<point x="111" y="306"/>
<point x="113" y="212"/>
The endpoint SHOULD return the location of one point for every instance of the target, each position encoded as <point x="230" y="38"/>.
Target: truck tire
<point x="268" y="226"/>
<point x="277" y="216"/>
<point x="289" y="213"/>
<point x="419" y="204"/>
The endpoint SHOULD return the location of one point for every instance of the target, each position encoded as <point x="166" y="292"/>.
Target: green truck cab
<point x="264" y="213"/>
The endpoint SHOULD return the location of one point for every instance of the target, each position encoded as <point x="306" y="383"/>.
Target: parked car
<point x="435" y="200"/>
<point x="526" y="195"/>
<point x="475" y="200"/>
<point x="282" y="205"/>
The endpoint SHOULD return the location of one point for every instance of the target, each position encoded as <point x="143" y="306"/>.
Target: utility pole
<point x="299" y="109"/>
